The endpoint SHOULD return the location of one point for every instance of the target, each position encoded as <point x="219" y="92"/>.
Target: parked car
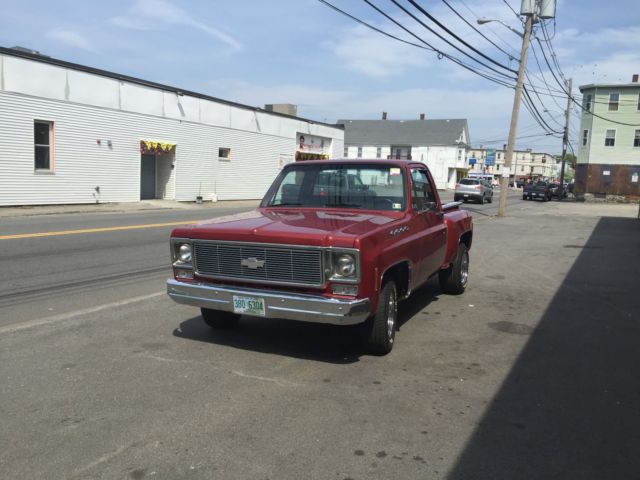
<point x="473" y="189"/>
<point x="537" y="190"/>
<point x="558" y="191"/>
<point x="336" y="252"/>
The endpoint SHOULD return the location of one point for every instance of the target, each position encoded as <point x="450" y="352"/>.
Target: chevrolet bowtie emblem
<point x="252" y="263"/>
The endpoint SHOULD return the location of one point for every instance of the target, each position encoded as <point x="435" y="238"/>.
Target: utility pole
<point x="504" y="181"/>
<point x="565" y="136"/>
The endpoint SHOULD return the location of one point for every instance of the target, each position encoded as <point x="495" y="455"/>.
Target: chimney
<point x="504" y="147"/>
<point x="384" y="115"/>
<point x="634" y="78"/>
<point x="422" y="116"/>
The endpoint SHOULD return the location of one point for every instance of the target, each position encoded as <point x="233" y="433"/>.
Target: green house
<point x="608" y="163"/>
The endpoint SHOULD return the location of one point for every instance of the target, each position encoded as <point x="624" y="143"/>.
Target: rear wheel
<point x="491" y="198"/>
<point x="218" y="319"/>
<point x="524" y="197"/>
<point x="380" y="329"/>
<point x="454" y="279"/>
<point x="482" y="200"/>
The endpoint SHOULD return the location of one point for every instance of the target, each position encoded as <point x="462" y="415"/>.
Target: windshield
<point x="363" y="186"/>
<point x="468" y="181"/>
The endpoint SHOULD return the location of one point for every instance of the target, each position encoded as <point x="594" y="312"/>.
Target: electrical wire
<point x="425" y="46"/>
<point x="511" y="57"/>
<point x="511" y="8"/>
<point x="443" y="27"/>
<point x="368" y="2"/>
<point x="579" y="104"/>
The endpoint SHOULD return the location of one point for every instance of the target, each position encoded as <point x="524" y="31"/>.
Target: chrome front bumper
<point x="302" y="307"/>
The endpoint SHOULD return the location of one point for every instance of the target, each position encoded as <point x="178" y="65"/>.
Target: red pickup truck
<point x="338" y="242"/>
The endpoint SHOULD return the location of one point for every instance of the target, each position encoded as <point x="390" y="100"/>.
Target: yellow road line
<point x="94" y="230"/>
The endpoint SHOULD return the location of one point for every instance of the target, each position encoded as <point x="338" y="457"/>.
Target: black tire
<point x="380" y="328"/>
<point x="491" y="198"/>
<point x="218" y="319"/>
<point x="482" y="200"/>
<point x="524" y="197"/>
<point x="453" y="280"/>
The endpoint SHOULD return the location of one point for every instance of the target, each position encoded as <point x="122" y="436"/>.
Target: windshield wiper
<point x="353" y="205"/>
<point x="285" y="204"/>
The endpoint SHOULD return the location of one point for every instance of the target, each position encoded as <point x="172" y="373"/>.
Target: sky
<point x="302" y="52"/>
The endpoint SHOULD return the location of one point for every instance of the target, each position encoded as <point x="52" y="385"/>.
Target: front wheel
<point x="453" y="280"/>
<point x="491" y="198"/>
<point x="380" y="329"/>
<point x="218" y="319"/>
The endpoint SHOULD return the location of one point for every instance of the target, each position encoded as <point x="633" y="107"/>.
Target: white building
<point x="75" y="134"/>
<point x="440" y="144"/>
<point x="524" y="163"/>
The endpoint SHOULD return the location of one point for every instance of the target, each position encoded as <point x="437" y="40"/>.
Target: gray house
<point x="440" y="144"/>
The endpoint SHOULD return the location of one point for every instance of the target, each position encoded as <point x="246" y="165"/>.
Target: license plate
<point x="249" y="305"/>
<point x="466" y="195"/>
<point x="534" y="194"/>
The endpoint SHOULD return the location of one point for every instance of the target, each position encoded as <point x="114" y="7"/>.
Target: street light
<point x="506" y="173"/>
<point x="482" y="21"/>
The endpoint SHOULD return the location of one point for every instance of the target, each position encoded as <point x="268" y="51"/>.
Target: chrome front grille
<point x="259" y="262"/>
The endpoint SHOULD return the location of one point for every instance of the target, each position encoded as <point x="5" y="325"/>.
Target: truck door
<point x="429" y="217"/>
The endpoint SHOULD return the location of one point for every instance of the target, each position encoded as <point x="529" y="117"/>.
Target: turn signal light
<point x="351" y="290"/>
<point x="182" y="274"/>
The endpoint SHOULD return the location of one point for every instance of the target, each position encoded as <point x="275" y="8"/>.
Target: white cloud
<point x="144" y="12"/>
<point x="372" y="54"/>
<point x="71" y="38"/>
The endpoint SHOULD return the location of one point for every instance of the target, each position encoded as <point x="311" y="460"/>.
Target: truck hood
<point x="300" y="227"/>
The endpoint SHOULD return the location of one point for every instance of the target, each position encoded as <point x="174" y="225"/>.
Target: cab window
<point x="421" y="190"/>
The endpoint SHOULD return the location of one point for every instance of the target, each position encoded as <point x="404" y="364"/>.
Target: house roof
<point x="608" y="85"/>
<point x="21" y="52"/>
<point x="405" y="132"/>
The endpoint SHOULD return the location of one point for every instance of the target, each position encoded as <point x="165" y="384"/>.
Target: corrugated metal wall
<point x="81" y="164"/>
<point x="199" y="128"/>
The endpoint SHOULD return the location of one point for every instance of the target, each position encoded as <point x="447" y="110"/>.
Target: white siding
<point x="86" y="108"/>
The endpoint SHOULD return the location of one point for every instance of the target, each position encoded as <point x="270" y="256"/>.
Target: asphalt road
<point x="102" y="376"/>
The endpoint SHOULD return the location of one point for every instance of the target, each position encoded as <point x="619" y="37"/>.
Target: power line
<point x="435" y="33"/>
<point x="511" y="57"/>
<point x="491" y="30"/>
<point x="579" y="104"/>
<point x="425" y="46"/>
<point x="511" y="8"/>
<point x="443" y="27"/>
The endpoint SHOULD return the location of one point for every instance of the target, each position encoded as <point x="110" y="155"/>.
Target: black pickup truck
<point x="537" y="190"/>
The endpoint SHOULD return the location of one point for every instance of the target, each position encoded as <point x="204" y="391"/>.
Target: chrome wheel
<point x="392" y="313"/>
<point x="464" y="269"/>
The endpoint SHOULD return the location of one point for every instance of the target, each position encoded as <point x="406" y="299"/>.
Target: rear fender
<point x="460" y="230"/>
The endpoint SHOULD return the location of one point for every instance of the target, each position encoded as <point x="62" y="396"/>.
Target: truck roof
<point x="394" y="162"/>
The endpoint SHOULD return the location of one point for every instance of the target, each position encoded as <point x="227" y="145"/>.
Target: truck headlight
<point x="181" y="253"/>
<point x="344" y="266"/>
<point x="184" y="253"/>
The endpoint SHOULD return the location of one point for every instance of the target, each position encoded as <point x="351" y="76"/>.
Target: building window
<point x="638" y="102"/>
<point x="614" y="100"/>
<point x="610" y="138"/>
<point x="585" y="137"/>
<point x="636" y="139"/>
<point x="499" y="156"/>
<point x="522" y="168"/>
<point x="43" y="142"/>
<point x="379" y="152"/>
<point x="587" y="102"/>
<point x="224" y="153"/>
<point x="359" y="152"/>
<point x="346" y="152"/>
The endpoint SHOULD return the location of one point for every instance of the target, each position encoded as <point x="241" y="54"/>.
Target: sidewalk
<point x="143" y="205"/>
